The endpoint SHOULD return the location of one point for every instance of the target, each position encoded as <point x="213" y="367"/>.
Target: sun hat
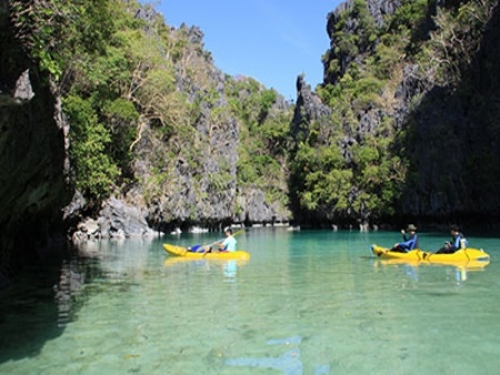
<point x="411" y="228"/>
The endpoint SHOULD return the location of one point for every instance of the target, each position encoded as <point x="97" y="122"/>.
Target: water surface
<point x="310" y="302"/>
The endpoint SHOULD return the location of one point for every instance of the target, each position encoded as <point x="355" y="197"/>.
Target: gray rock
<point x="23" y="89"/>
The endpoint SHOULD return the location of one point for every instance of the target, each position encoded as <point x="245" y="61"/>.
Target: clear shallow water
<point x="310" y="302"/>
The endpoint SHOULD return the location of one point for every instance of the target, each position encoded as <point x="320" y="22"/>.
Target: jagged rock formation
<point x="116" y="220"/>
<point x="191" y="194"/>
<point x="457" y="163"/>
<point x="202" y="188"/>
<point x="33" y="159"/>
<point x="184" y="169"/>
<point x="200" y="185"/>
<point x="435" y="96"/>
<point x="308" y="109"/>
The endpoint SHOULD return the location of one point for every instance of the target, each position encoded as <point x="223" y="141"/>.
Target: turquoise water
<point x="310" y="302"/>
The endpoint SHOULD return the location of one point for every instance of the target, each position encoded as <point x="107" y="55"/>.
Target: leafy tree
<point x="96" y="173"/>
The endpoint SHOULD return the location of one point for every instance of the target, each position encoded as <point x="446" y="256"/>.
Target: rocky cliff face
<point x="457" y="164"/>
<point x="33" y="159"/>
<point x="202" y="188"/>
<point x="191" y="194"/>
<point x="441" y="107"/>
<point x="175" y="183"/>
<point x="185" y="163"/>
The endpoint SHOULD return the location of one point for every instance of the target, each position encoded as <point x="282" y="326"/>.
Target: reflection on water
<point x="289" y="363"/>
<point x="47" y="297"/>
<point x="411" y="269"/>
<point x="68" y="291"/>
<point x="305" y="303"/>
<point x="229" y="268"/>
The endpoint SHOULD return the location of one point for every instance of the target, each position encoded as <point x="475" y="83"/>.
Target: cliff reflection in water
<point x="38" y="305"/>
<point x="47" y="296"/>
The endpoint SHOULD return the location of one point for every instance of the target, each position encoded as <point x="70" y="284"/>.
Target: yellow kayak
<point x="461" y="256"/>
<point x="185" y="253"/>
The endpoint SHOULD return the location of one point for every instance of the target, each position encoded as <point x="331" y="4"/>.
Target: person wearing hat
<point x="458" y="241"/>
<point x="410" y="240"/>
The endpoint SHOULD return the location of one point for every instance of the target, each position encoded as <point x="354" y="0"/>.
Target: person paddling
<point x="410" y="240"/>
<point x="228" y="245"/>
<point x="458" y="241"/>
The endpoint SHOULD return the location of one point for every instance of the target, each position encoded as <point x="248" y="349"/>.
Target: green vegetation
<point x="90" y="139"/>
<point x="264" y="137"/>
<point x="364" y="161"/>
<point x="146" y="106"/>
<point x="351" y="175"/>
<point x="120" y="79"/>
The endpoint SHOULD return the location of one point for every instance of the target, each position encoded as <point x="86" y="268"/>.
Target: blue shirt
<point x="229" y="244"/>
<point x="410" y="242"/>
<point x="456" y="245"/>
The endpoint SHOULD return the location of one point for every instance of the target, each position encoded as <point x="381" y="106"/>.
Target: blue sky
<point x="272" y="41"/>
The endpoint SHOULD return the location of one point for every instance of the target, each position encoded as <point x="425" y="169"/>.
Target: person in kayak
<point x="410" y="240"/>
<point x="228" y="245"/>
<point x="458" y="241"/>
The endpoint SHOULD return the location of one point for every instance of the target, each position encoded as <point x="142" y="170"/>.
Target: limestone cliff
<point x="406" y="83"/>
<point x="33" y="160"/>
<point x="169" y="154"/>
